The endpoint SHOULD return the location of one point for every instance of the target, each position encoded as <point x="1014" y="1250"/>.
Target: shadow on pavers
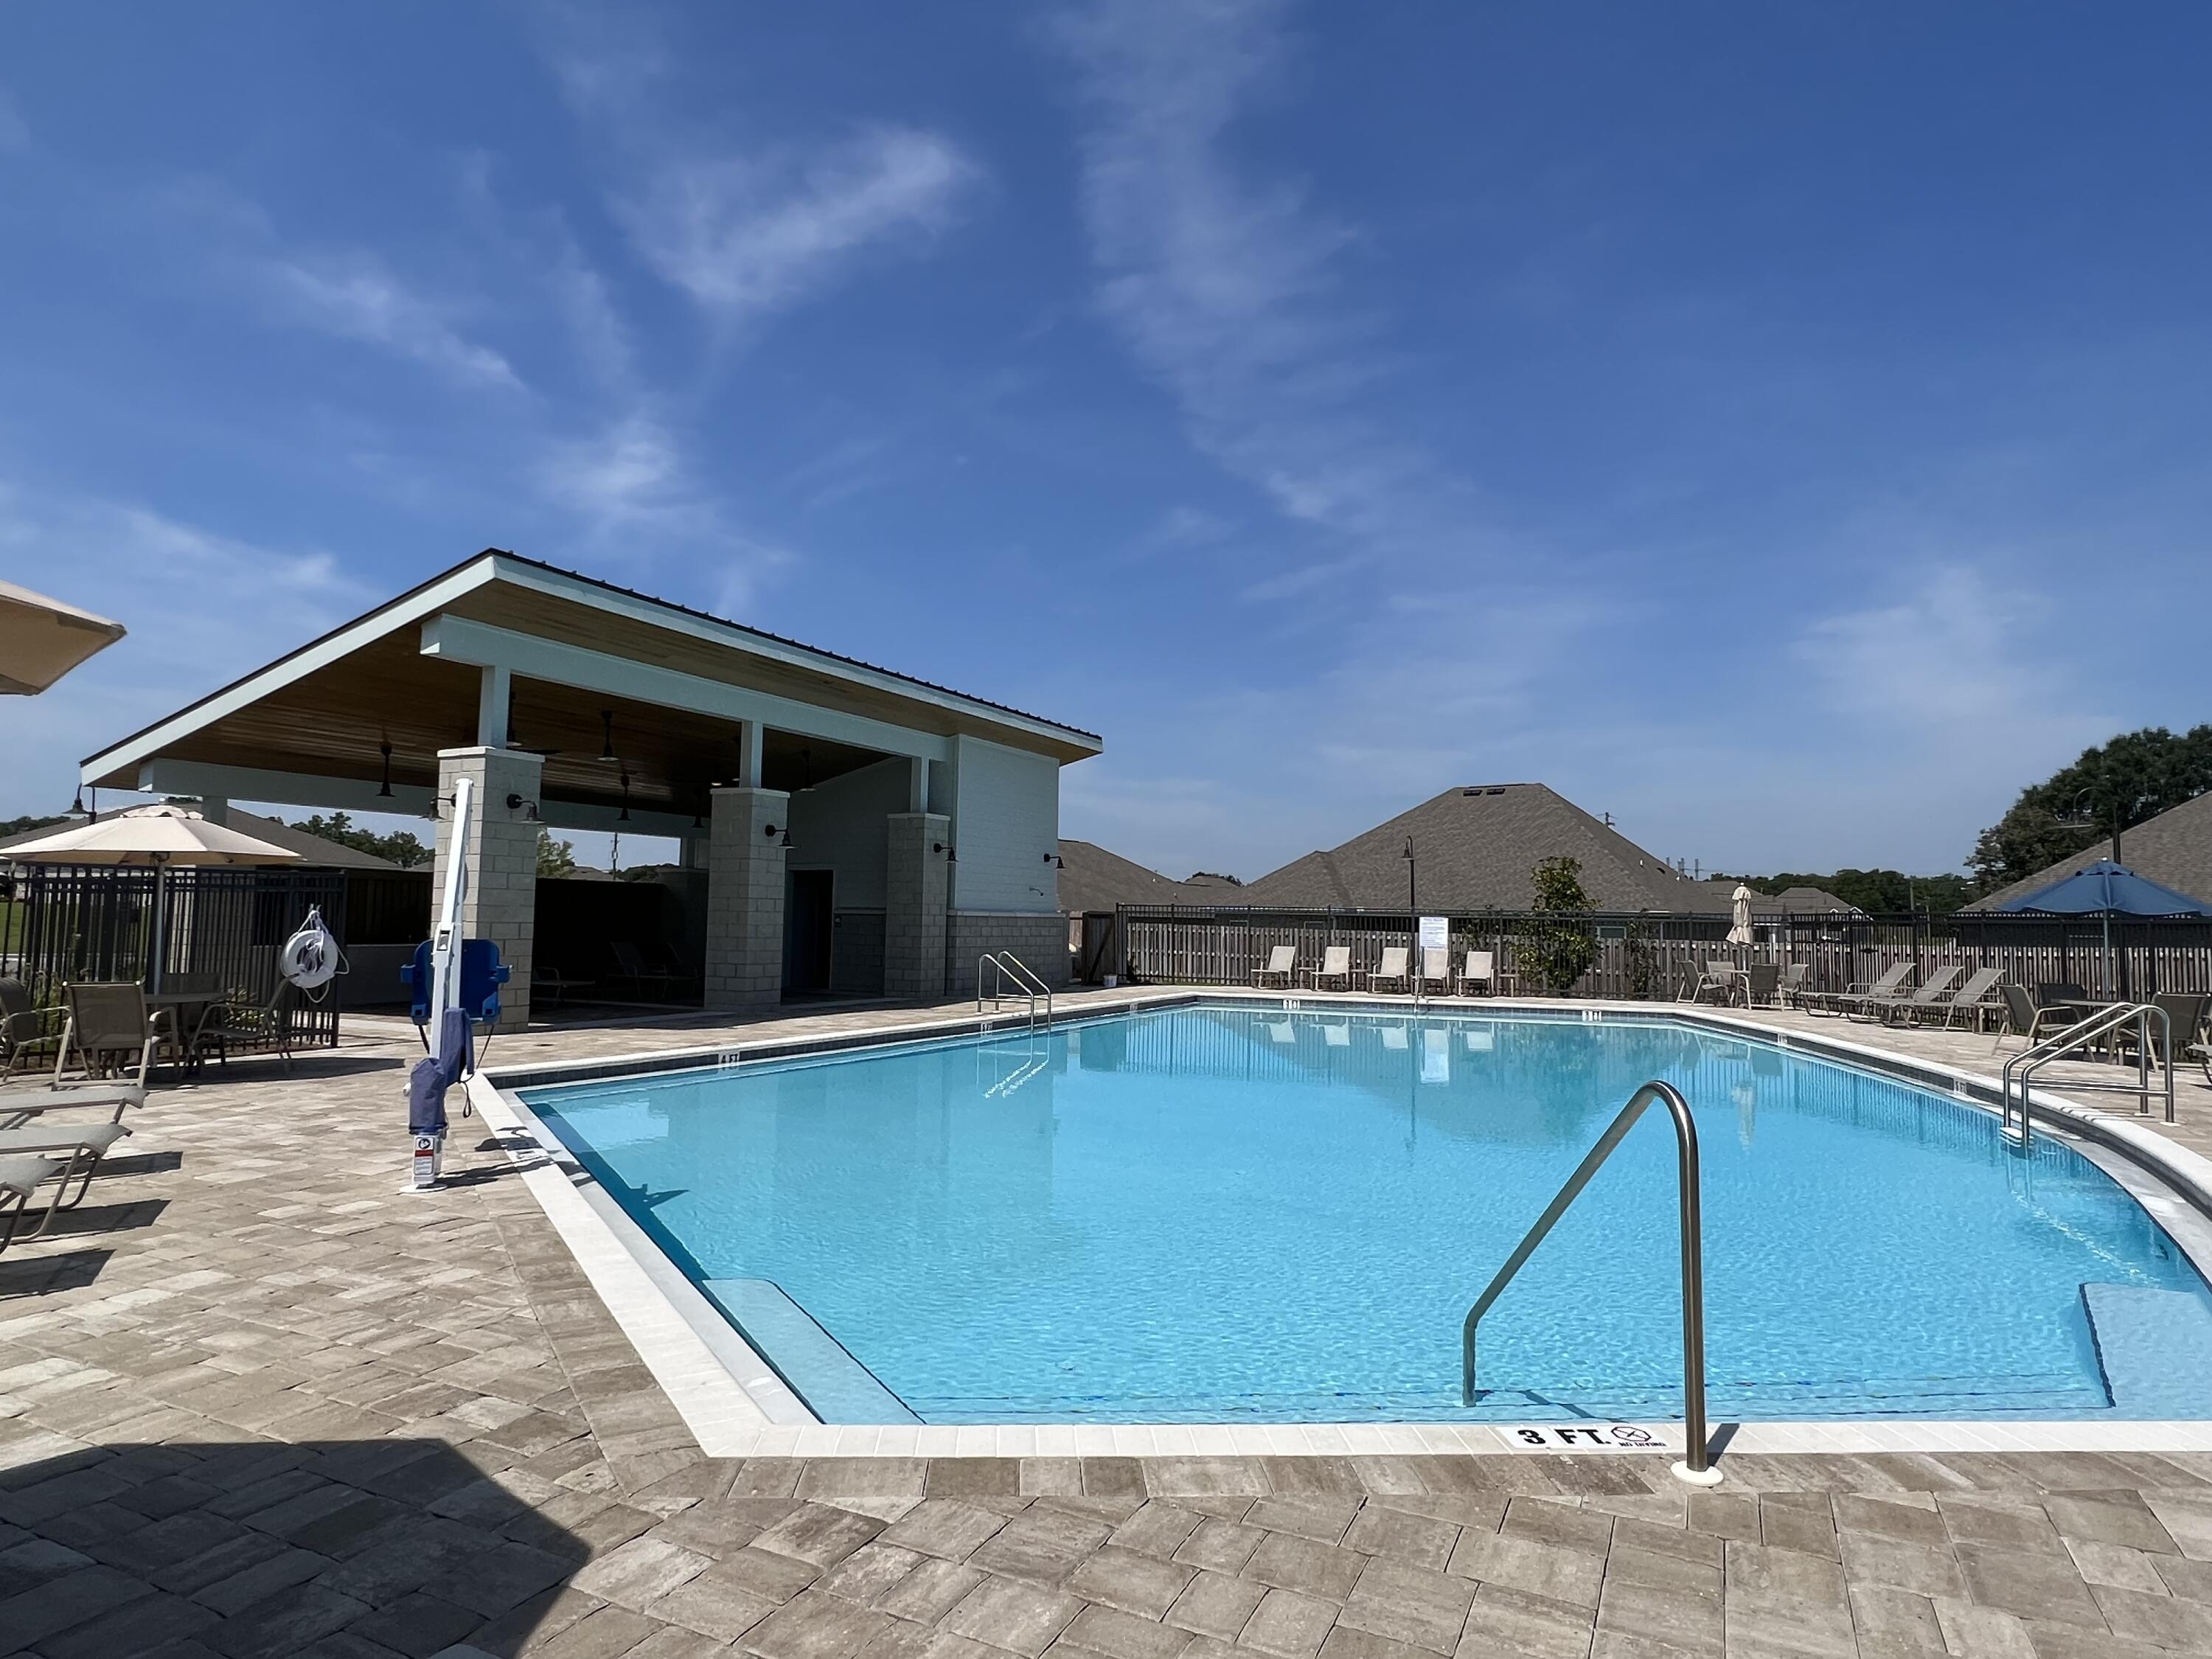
<point x="267" y="1551"/>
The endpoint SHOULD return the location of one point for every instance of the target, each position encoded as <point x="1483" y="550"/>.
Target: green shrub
<point x="1559" y="952"/>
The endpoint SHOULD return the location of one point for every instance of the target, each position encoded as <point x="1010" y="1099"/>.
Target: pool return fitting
<point x="1696" y="1466"/>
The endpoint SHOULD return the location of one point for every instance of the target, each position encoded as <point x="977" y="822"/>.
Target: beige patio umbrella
<point x="155" y="836"/>
<point x="1740" y="916"/>
<point x="42" y="638"/>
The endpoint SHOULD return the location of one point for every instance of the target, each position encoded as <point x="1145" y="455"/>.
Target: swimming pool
<point x="1225" y="1212"/>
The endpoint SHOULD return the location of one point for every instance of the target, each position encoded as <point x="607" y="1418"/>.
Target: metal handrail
<point x="1696" y="1466"/>
<point x="1010" y="966"/>
<point x="2068" y="1038"/>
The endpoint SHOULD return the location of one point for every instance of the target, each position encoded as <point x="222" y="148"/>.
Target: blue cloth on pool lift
<point x="431" y="1076"/>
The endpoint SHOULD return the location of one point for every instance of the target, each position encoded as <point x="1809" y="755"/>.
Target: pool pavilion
<point x="844" y="828"/>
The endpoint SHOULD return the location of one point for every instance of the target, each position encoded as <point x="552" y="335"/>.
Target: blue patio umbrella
<point x="2107" y="889"/>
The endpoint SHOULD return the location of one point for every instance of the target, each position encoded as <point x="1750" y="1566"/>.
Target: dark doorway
<point x="807" y="915"/>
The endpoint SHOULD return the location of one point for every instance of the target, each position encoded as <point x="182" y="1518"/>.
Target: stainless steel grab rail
<point x="2068" y="1038"/>
<point x="1696" y="1466"/>
<point x="1012" y="967"/>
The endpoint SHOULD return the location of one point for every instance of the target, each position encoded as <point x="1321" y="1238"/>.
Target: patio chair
<point x="1789" y="989"/>
<point x="21" y="1176"/>
<point x="2184" y="1016"/>
<point x="1720" y="981"/>
<point x="1282" y="963"/>
<point x="1396" y="969"/>
<point x="1976" y="997"/>
<point x="2052" y="993"/>
<point x="1892" y="1011"/>
<point x="19" y="1106"/>
<point x="107" y="1021"/>
<point x="28" y="1033"/>
<point x="1763" y="985"/>
<point x="1479" y="969"/>
<point x="79" y="1146"/>
<point x="1842" y="1002"/>
<point x="1435" y="969"/>
<point x="549" y="984"/>
<point x="629" y="964"/>
<point x="2022" y="1018"/>
<point x="230" y="1028"/>
<point x="1336" y="964"/>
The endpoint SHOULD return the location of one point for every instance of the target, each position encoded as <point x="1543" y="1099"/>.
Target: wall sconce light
<point x="951" y="857"/>
<point x="1058" y="862"/>
<point x="384" y="789"/>
<point x="76" y="806"/>
<point x="527" y="808"/>
<point x="787" y="840"/>
<point x="769" y="831"/>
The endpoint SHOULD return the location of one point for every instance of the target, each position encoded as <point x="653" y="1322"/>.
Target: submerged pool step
<point x="2156" y="1348"/>
<point x="837" y="1388"/>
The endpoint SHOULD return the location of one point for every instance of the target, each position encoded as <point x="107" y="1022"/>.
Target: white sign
<point x="1582" y="1436"/>
<point x="1436" y="933"/>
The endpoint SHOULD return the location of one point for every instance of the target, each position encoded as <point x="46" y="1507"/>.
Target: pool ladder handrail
<point x="2068" y="1038"/>
<point x="1008" y="966"/>
<point x="1697" y="1465"/>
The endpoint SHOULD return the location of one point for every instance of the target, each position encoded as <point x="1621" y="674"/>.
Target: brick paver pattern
<point x="256" y="1399"/>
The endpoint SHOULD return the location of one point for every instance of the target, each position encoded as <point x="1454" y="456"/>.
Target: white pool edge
<point x="733" y="1403"/>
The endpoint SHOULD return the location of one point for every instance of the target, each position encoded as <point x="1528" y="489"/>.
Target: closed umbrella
<point x="1740" y="915"/>
<point x="42" y="638"/>
<point x="2107" y="889"/>
<point x="155" y="836"/>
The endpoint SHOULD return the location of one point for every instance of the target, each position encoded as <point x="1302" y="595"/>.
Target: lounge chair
<point x="1396" y="969"/>
<point x="108" y="1020"/>
<point x="1928" y="994"/>
<point x="2022" y="1018"/>
<point x="1720" y="981"/>
<point x="1842" y="1002"/>
<point x="1479" y="969"/>
<point x="1282" y="965"/>
<point x="1336" y="964"/>
<point x="28" y="1033"/>
<point x="80" y="1145"/>
<point x="19" y="1106"/>
<point x="1436" y="970"/>
<point x="21" y="1176"/>
<point x="1975" y="997"/>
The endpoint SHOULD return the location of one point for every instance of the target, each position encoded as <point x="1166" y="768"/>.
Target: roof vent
<point x="1499" y="790"/>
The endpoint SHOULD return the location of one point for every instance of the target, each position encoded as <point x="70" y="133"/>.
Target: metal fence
<point x="1653" y="955"/>
<point x="221" y="926"/>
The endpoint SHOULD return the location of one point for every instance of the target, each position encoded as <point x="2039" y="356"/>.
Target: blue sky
<point x="1780" y="426"/>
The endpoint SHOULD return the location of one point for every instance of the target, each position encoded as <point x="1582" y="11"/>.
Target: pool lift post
<point x="455" y="980"/>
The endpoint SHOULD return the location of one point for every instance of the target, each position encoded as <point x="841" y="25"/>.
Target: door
<point x="807" y="915"/>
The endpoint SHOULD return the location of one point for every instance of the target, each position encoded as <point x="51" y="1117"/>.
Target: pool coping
<point x="736" y="1405"/>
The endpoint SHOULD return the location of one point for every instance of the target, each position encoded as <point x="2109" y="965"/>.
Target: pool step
<point x="2156" y="1348"/>
<point x="837" y="1388"/>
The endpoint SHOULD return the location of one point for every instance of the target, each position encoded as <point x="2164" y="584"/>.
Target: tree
<point x="1877" y="892"/>
<point x="401" y="847"/>
<point x="1559" y="952"/>
<point x="554" y="858"/>
<point x="2132" y="777"/>
<point x="23" y="826"/>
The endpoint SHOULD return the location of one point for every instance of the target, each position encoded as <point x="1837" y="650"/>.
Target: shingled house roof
<point x="1475" y="847"/>
<point x="2173" y="850"/>
<point x="1092" y="878"/>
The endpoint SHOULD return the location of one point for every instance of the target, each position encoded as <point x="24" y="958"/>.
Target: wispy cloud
<point x="353" y="297"/>
<point x="201" y="607"/>
<point x="15" y="130"/>
<point x="749" y="234"/>
<point x="1229" y="288"/>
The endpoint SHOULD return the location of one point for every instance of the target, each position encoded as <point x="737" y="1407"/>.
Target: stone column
<point x="916" y="883"/>
<point x="501" y="856"/>
<point x="744" y="897"/>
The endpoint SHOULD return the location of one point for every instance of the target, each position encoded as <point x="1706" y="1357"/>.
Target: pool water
<point x="1222" y="1213"/>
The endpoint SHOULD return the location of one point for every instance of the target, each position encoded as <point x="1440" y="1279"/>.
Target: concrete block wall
<point x="856" y="957"/>
<point x="500" y="851"/>
<point x="917" y="883"/>
<point x="743" y="944"/>
<point x="1040" y="942"/>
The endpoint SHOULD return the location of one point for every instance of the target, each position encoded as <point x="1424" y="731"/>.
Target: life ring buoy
<point x="310" y="958"/>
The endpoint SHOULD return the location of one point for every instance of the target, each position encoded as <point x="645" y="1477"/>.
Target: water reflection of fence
<point x="1642" y="955"/>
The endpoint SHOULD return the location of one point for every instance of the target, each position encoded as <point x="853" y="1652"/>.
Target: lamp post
<point x="1413" y="904"/>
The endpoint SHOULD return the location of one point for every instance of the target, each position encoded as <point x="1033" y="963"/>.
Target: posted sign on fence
<point x="1436" y="933"/>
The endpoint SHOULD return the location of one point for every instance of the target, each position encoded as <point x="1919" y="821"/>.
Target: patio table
<point x="185" y="1010"/>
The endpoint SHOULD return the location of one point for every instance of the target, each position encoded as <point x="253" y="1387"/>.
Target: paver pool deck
<point x="257" y="1399"/>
